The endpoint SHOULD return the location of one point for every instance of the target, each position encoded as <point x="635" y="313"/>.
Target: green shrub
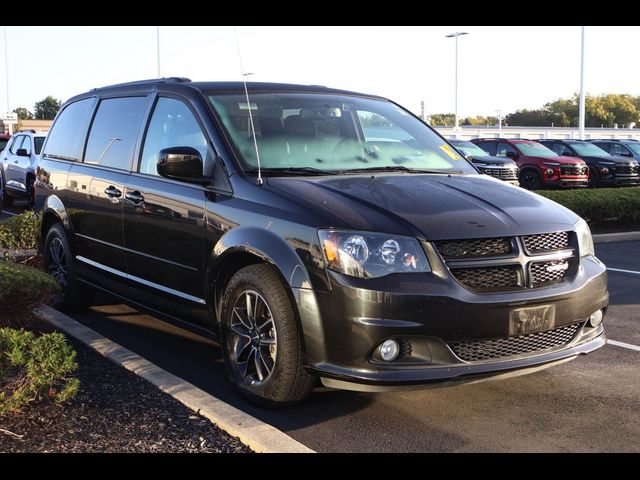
<point x="20" y="232"/>
<point x="603" y="205"/>
<point x="35" y="367"/>
<point x="22" y="288"/>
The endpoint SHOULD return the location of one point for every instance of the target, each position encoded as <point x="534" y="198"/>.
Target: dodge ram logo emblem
<point x="557" y="267"/>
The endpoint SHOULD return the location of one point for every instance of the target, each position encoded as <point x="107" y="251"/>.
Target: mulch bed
<point x="115" y="411"/>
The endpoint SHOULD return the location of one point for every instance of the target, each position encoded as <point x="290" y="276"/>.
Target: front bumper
<point x="564" y="182"/>
<point x="343" y="327"/>
<point x="620" y="180"/>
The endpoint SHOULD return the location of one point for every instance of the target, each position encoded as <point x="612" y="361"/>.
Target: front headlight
<point x="370" y="255"/>
<point x="585" y="241"/>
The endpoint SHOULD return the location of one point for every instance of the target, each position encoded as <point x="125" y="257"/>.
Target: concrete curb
<point x="616" y="237"/>
<point x="260" y="436"/>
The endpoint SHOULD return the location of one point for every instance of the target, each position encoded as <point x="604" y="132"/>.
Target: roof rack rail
<point x="148" y="81"/>
<point x="30" y="130"/>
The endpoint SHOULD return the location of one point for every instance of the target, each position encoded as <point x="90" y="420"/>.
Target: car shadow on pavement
<point x="198" y="360"/>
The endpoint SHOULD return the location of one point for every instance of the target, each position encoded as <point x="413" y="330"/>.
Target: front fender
<point x="266" y="245"/>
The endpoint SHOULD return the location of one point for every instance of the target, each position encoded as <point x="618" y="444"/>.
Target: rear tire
<point x="262" y="343"/>
<point x="58" y="262"/>
<point x="31" y="191"/>
<point x="7" y="200"/>
<point x="530" y="179"/>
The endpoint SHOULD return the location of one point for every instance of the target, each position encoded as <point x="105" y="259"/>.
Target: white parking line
<point x="623" y="271"/>
<point x="635" y="348"/>
<point x="11" y="214"/>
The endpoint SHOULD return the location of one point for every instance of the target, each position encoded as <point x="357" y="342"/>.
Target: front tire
<point x="58" y="262"/>
<point x="530" y="179"/>
<point x="262" y="343"/>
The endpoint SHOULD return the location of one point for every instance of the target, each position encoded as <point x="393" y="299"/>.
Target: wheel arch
<point x="53" y="212"/>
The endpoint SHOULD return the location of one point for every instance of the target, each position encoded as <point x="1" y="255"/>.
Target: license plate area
<point x="532" y="319"/>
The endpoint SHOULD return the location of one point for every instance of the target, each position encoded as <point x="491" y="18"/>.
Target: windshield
<point x="471" y="149"/>
<point x="38" y="141"/>
<point x="635" y="148"/>
<point x="332" y="133"/>
<point x="535" y="149"/>
<point x="589" y="149"/>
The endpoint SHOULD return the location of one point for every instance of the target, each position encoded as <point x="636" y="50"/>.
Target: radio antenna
<point x="244" y="75"/>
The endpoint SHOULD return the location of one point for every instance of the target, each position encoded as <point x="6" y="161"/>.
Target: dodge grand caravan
<point x="312" y="246"/>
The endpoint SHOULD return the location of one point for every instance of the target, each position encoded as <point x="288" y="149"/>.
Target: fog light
<point x="389" y="350"/>
<point x="596" y="318"/>
<point x="549" y="172"/>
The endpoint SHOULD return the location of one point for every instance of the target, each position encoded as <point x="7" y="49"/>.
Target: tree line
<point x="45" y="109"/>
<point x="605" y="110"/>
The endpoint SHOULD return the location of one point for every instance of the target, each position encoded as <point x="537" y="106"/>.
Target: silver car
<point x="19" y="162"/>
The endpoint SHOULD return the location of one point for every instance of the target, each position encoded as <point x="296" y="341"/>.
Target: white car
<point x="18" y="165"/>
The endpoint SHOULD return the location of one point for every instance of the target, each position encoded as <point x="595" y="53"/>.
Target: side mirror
<point x="624" y="154"/>
<point x="567" y="153"/>
<point x="469" y="157"/>
<point x="22" y="152"/>
<point x="511" y="155"/>
<point x="181" y="163"/>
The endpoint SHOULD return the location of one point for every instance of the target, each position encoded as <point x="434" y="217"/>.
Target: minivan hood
<point x="436" y="207"/>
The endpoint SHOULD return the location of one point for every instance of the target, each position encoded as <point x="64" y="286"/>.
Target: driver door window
<point x="172" y="125"/>
<point x="617" y="149"/>
<point x="504" y="148"/>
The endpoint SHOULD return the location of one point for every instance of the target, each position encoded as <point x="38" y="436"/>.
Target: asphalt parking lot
<point x="587" y="405"/>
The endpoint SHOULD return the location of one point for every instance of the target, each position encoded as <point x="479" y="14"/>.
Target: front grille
<point x="502" y="173"/>
<point x="627" y="170"/>
<point x="480" y="247"/>
<point x="477" y="350"/>
<point x="503" y="277"/>
<point x="546" y="242"/>
<point x="573" y="170"/>
<point x="547" y="273"/>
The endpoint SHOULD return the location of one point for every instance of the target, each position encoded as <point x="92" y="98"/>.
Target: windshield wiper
<point x="394" y="168"/>
<point x="295" y="171"/>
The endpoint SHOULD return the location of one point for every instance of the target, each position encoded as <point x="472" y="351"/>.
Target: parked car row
<point x="552" y="163"/>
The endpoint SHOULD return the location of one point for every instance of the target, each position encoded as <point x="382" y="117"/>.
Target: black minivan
<point x="319" y="233"/>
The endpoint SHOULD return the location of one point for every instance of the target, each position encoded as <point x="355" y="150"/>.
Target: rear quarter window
<point x="66" y="138"/>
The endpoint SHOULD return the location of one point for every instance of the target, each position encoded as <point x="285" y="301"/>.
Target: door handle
<point x="112" y="192"/>
<point x="134" y="197"/>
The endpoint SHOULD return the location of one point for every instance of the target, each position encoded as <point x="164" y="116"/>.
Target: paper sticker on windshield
<point x="449" y="151"/>
<point x="245" y="106"/>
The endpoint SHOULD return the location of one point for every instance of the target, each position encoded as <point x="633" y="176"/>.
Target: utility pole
<point x="582" y="99"/>
<point x="456" y="35"/>
<point x="158" y="47"/>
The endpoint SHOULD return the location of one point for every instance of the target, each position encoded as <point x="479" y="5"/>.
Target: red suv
<point x="539" y="166"/>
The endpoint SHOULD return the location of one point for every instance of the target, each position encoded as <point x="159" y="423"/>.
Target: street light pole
<point x="499" y="112"/>
<point x="582" y="100"/>
<point x="158" y="48"/>
<point x="456" y="35"/>
<point x="6" y="75"/>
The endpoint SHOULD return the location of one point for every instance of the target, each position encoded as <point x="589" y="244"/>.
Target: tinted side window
<point x="618" y="149"/>
<point x="605" y="146"/>
<point x="26" y="144"/>
<point x="38" y="141"/>
<point x="503" y="148"/>
<point x="114" y="131"/>
<point x="16" y="144"/>
<point x="489" y="147"/>
<point x="66" y="138"/>
<point x="172" y="125"/>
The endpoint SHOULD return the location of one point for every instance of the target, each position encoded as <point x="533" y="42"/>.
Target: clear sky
<point x="500" y="67"/>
